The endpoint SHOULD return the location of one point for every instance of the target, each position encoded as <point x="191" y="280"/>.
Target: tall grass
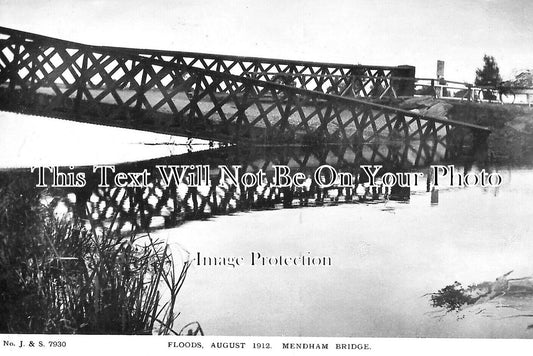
<point x="60" y="276"/>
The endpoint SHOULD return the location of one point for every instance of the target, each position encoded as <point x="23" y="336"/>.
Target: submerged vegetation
<point x="452" y="297"/>
<point x="490" y="298"/>
<point x="62" y="275"/>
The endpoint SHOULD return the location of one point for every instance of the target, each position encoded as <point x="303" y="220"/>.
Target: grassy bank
<point x="59" y="276"/>
<point x="511" y="140"/>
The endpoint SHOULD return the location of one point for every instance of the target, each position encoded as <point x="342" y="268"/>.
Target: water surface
<point x="385" y="258"/>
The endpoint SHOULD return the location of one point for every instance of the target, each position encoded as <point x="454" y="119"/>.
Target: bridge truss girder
<point x="118" y="87"/>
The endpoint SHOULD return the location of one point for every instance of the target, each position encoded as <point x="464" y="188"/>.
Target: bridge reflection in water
<point x="161" y="206"/>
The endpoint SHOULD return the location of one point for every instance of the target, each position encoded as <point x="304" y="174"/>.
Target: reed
<point x="63" y="276"/>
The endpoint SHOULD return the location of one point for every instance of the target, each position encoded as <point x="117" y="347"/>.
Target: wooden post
<point x="434" y="196"/>
<point x="440" y="69"/>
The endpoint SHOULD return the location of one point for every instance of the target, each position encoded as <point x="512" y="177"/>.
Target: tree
<point x="490" y="74"/>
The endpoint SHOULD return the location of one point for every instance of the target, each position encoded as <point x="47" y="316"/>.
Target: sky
<point x="391" y="32"/>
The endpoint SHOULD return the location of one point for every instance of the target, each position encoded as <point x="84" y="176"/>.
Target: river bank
<point x="511" y="138"/>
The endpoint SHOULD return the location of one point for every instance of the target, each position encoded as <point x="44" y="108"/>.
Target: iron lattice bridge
<point x="230" y="99"/>
<point x="160" y="205"/>
<point x="361" y="81"/>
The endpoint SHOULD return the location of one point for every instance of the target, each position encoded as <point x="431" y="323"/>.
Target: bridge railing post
<point x="13" y="75"/>
<point x="81" y="85"/>
<point x="28" y="90"/>
<point x="140" y="93"/>
<point x="433" y="89"/>
<point x="469" y="92"/>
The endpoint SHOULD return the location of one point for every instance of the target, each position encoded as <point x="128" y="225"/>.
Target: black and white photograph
<point x="280" y="175"/>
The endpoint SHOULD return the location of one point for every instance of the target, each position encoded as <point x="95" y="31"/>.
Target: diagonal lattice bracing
<point x="163" y="93"/>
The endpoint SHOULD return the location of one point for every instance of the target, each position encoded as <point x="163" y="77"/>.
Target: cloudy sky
<point x="390" y="32"/>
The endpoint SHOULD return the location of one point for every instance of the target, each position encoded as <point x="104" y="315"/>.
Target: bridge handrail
<point x="201" y="54"/>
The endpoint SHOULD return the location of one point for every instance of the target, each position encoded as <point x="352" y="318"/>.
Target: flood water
<point x="385" y="258"/>
<point x="386" y="251"/>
